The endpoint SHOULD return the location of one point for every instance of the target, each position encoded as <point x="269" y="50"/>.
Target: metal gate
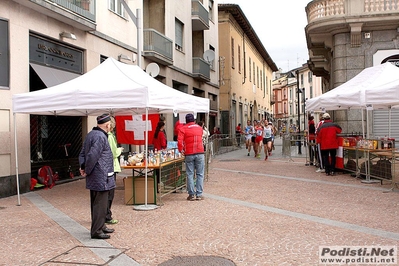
<point x="48" y="135"/>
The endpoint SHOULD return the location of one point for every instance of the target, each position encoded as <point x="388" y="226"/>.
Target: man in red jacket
<point x="328" y="139"/>
<point x="189" y="143"/>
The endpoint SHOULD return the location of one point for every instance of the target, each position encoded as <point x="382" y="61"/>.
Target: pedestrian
<point x="189" y="143"/>
<point x="238" y="134"/>
<point x="96" y="164"/>
<point x="328" y="139"/>
<point x="205" y="133"/>
<point x="311" y="139"/>
<point x="318" y="150"/>
<point x="216" y="131"/>
<point x="248" y="135"/>
<point x="159" y="141"/>
<point x="176" y="129"/>
<point x="116" y="152"/>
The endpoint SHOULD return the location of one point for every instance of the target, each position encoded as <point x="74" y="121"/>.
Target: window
<point x="4" y="56"/>
<point x="232" y="53"/>
<point x="250" y="64"/>
<point x="302" y="79"/>
<point x="210" y="5"/>
<point x="239" y="59"/>
<point x="257" y="76"/>
<point x="264" y="91"/>
<point x="179" y="30"/>
<point x="117" y="7"/>
<point x="311" y="92"/>
<point x="310" y="76"/>
<point x="253" y="71"/>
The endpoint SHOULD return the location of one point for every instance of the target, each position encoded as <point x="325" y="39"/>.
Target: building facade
<point x="45" y="43"/>
<point x="245" y="71"/>
<point x="289" y="108"/>
<point x="346" y="36"/>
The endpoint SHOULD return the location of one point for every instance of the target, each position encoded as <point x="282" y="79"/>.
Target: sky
<point x="280" y="25"/>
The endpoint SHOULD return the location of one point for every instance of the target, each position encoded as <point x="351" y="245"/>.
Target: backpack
<point x="47" y="177"/>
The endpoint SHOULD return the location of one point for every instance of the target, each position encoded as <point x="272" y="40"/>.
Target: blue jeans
<point x="195" y="162"/>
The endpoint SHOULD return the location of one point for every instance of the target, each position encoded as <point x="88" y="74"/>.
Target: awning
<point x="52" y="76"/>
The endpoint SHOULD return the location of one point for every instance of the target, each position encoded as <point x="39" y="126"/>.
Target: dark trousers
<point x="330" y="167"/>
<point x="98" y="207"/>
<point x="110" y="199"/>
<point x="312" y="150"/>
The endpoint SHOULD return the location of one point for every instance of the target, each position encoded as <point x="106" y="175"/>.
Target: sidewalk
<point x="255" y="212"/>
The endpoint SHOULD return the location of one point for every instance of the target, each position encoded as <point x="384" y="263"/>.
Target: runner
<point x="267" y="139"/>
<point x="253" y="137"/>
<point x="248" y="135"/>
<point x="258" y="138"/>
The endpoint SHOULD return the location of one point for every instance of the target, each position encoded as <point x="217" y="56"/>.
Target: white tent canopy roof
<point x="377" y="86"/>
<point x="112" y="87"/>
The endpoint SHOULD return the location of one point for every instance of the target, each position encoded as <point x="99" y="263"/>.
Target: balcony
<point x="79" y="14"/>
<point x="327" y="18"/>
<point x="199" y="16"/>
<point x="157" y="47"/>
<point x="201" y="69"/>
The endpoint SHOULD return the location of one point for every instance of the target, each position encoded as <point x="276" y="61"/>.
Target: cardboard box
<point x="128" y="184"/>
<point x="137" y="198"/>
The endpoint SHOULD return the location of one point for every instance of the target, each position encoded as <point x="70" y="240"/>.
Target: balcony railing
<point x="330" y="8"/>
<point x="201" y="69"/>
<point x="200" y="16"/>
<point x="80" y="14"/>
<point x="85" y="8"/>
<point x="157" y="47"/>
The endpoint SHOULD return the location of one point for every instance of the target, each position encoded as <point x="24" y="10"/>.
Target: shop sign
<point x="53" y="54"/>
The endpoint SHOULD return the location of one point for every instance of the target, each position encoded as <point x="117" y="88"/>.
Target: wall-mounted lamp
<point x="68" y="35"/>
<point x="123" y="57"/>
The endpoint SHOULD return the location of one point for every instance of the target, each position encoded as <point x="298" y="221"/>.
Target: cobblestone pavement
<point x="255" y="212"/>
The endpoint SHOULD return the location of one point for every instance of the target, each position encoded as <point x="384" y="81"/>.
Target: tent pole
<point x="146" y="157"/>
<point x="389" y="122"/>
<point x="146" y="207"/>
<point x="362" y="123"/>
<point x="16" y="159"/>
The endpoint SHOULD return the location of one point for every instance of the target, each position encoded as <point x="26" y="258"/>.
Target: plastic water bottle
<point x="122" y="160"/>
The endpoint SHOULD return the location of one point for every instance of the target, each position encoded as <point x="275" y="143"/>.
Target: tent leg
<point x="146" y="207"/>
<point x="16" y="159"/>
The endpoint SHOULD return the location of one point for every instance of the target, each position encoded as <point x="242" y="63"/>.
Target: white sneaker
<point x="320" y="170"/>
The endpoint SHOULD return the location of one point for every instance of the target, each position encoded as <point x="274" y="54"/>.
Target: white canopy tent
<point x="377" y="86"/>
<point x="112" y="87"/>
<point x="374" y="88"/>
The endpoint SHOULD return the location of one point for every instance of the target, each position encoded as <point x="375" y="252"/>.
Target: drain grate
<point x="229" y="160"/>
<point x="198" y="260"/>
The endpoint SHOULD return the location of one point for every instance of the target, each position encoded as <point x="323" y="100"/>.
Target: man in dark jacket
<point x="189" y="143"/>
<point x="328" y="139"/>
<point x="96" y="164"/>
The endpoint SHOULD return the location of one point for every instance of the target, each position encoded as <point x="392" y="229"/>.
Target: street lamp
<point x="298" y="90"/>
